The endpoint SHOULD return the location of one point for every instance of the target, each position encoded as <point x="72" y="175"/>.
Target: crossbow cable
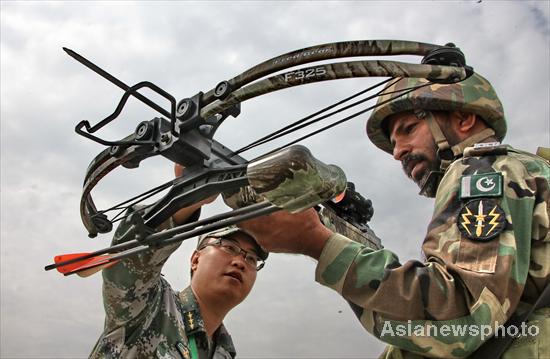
<point x="184" y="133"/>
<point x="187" y="136"/>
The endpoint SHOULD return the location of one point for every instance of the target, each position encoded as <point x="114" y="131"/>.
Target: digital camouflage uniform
<point x="146" y="318"/>
<point x="487" y="255"/>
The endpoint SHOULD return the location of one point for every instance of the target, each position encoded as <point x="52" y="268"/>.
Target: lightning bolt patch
<point x="466" y="220"/>
<point x="494" y="220"/>
<point x="481" y="219"/>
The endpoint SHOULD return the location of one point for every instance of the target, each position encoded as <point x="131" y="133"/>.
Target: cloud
<point x="187" y="47"/>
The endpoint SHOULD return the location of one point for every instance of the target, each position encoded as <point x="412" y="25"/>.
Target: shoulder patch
<point x="481" y="219"/>
<point x="481" y="185"/>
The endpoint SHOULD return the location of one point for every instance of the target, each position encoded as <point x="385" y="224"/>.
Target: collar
<point x="192" y="318"/>
<point x="194" y="324"/>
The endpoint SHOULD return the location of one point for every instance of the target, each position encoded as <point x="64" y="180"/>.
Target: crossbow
<point x="288" y="177"/>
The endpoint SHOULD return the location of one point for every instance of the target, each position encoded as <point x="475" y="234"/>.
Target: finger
<point x="178" y="170"/>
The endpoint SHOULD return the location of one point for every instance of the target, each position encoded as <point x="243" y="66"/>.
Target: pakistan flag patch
<point x="481" y="185"/>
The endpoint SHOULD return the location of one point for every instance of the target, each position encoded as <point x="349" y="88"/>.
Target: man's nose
<point x="239" y="261"/>
<point x="400" y="150"/>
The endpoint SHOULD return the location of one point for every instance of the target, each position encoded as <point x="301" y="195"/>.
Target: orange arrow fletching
<point x="66" y="257"/>
<point x="82" y="264"/>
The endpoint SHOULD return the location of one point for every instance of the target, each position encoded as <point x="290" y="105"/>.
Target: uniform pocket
<point x="477" y="256"/>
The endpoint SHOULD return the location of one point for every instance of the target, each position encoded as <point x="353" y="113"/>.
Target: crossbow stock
<point x="288" y="177"/>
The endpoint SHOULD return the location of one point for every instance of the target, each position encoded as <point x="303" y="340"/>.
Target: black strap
<point x="496" y="346"/>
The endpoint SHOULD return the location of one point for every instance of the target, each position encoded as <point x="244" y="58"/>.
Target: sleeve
<point x="133" y="286"/>
<point x="449" y="304"/>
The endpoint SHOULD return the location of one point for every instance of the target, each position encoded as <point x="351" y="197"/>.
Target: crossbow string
<point x="184" y="134"/>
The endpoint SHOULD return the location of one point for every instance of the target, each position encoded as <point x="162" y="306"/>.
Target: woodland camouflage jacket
<point x="487" y="253"/>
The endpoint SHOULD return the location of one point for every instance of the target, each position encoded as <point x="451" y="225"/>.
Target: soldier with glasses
<point x="146" y="318"/>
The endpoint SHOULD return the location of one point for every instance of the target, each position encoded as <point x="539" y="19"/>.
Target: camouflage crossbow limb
<point x="185" y="136"/>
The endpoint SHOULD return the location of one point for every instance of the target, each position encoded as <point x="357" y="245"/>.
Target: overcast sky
<point x="186" y="47"/>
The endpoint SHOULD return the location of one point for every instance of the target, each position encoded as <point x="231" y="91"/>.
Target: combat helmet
<point x="473" y="95"/>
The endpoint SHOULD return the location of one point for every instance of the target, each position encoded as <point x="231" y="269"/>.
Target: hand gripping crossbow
<point x="288" y="177"/>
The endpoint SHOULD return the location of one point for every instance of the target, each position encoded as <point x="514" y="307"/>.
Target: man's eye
<point x="230" y="248"/>
<point x="251" y="259"/>
<point x="410" y="128"/>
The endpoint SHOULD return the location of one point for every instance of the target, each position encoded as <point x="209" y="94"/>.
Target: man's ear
<point x="195" y="260"/>
<point x="465" y="121"/>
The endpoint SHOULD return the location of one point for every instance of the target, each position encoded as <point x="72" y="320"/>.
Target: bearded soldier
<point x="487" y="247"/>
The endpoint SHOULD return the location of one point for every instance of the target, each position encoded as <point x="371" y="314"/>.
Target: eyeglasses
<point x="230" y="247"/>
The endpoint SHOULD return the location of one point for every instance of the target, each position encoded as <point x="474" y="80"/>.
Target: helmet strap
<point x="445" y="152"/>
<point x="429" y="187"/>
<point x="459" y="148"/>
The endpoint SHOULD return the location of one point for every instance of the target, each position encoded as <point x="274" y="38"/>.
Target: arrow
<point x="86" y="266"/>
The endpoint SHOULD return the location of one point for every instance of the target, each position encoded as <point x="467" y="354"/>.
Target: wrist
<point x="315" y="241"/>
<point x="182" y="216"/>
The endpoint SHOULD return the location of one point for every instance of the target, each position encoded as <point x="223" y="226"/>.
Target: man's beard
<point x="418" y="157"/>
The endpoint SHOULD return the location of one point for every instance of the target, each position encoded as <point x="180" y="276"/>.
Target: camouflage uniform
<point x="146" y="318"/>
<point x="467" y="278"/>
